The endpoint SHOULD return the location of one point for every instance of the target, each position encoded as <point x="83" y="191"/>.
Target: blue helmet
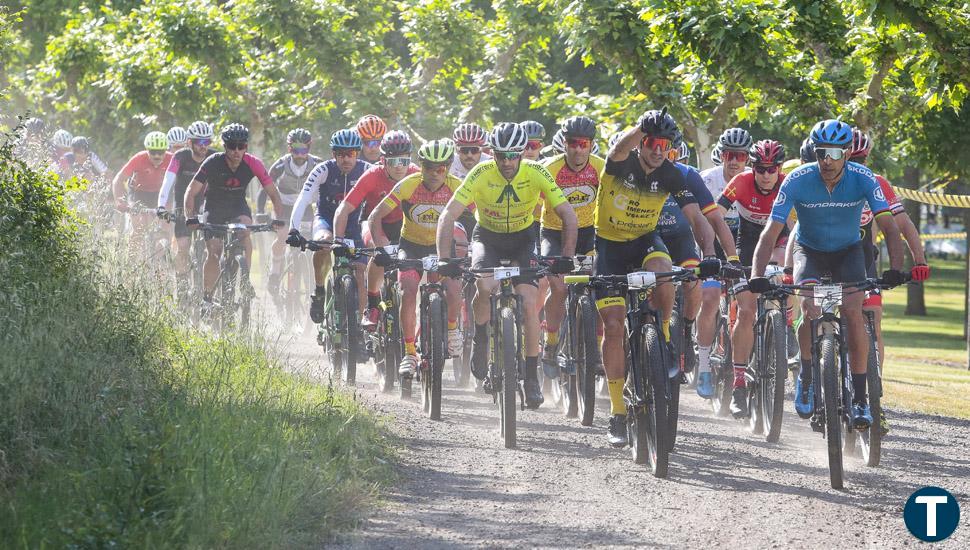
<point x="350" y="139"/>
<point x="831" y="132"/>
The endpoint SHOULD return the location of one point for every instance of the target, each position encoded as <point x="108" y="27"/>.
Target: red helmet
<point x="767" y="151"/>
<point x="371" y="127"/>
<point x="861" y="144"/>
<point x="469" y="134"/>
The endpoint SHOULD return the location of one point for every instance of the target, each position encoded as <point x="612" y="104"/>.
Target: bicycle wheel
<point x="775" y="372"/>
<point x="388" y="352"/>
<point x="228" y="301"/>
<point x="508" y="399"/>
<point x="348" y="293"/>
<point x="246" y="293"/>
<point x="463" y="365"/>
<point x="831" y="399"/>
<point x="651" y="443"/>
<point x="722" y="367"/>
<point x="568" y="352"/>
<point x="585" y="333"/>
<point x="871" y="439"/>
<point x="438" y="338"/>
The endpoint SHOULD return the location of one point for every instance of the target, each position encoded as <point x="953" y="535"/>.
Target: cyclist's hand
<point x="920" y="272"/>
<point x="447" y="267"/>
<point x="161" y="212"/>
<point x="295" y="239"/>
<point x="787" y="279"/>
<point x="192" y="223"/>
<point x="562" y="265"/>
<point x="758" y="285"/>
<point x="893" y="277"/>
<point x="707" y="268"/>
<point x="383" y="259"/>
<point x="278" y="223"/>
<point x="121" y="205"/>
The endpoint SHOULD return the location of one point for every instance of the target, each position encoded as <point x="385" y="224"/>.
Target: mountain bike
<point x="188" y="288"/>
<point x="722" y="362"/>
<point x="235" y="290"/>
<point x="461" y="365"/>
<point x="295" y="288"/>
<point x="579" y="358"/>
<point x="766" y="372"/>
<point x="384" y="343"/>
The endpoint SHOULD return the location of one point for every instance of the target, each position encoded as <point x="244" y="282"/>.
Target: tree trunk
<point x="915" y="298"/>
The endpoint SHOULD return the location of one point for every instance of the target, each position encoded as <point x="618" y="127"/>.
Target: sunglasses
<point x="766" y="169"/>
<point x="236" y="146"/>
<point x="299" y="150"/>
<point x="533" y="145"/>
<point x="734" y="155"/>
<point x="373" y="143"/>
<point x="579" y="143"/>
<point x="508" y="155"/>
<point x="396" y="161"/>
<point x="834" y="153"/>
<point x="655" y="143"/>
<point x="345" y="152"/>
<point x="469" y="150"/>
<point x="201" y="142"/>
<point x="434" y="166"/>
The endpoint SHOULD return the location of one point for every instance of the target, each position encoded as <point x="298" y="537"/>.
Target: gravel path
<point x="563" y="487"/>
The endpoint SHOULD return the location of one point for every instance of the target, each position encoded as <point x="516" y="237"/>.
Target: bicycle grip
<point x="576" y="279"/>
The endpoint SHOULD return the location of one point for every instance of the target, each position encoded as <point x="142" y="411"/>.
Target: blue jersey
<point x="828" y="221"/>
<point x="328" y="185"/>
<point x="672" y="220"/>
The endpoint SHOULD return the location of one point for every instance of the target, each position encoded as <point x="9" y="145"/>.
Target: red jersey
<point x="147" y="178"/>
<point x="371" y="189"/>
<point x="754" y="211"/>
<point x="895" y="206"/>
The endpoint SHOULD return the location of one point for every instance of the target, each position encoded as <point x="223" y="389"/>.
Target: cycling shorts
<point x="392" y="230"/>
<point x="408" y="250"/>
<point x="489" y="248"/>
<point x="620" y="258"/>
<point x="210" y="218"/>
<point x="551" y="241"/>
<point x="228" y="212"/>
<point x="682" y="248"/>
<point x="843" y="266"/>
<point x="145" y="199"/>
<point x="322" y="231"/>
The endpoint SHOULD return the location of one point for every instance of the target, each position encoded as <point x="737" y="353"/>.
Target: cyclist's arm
<point x="621" y="149"/>
<point x="118" y="183"/>
<point x="446" y="227"/>
<point x="911" y="234"/>
<point x="269" y="186"/>
<point x="766" y="245"/>
<point x="310" y="188"/>
<point x="703" y="233"/>
<point x="569" y="228"/>
<point x="168" y="182"/>
<point x="342" y="215"/>
<point x="722" y="231"/>
<point x="887" y="224"/>
<point x="375" y="222"/>
<point x="191" y="193"/>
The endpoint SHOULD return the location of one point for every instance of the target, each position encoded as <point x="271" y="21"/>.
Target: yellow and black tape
<point x="939" y="199"/>
<point x="934" y="236"/>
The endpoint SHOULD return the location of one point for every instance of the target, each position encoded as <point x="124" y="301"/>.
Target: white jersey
<point x="714" y="180"/>
<point x="458" y="169"/>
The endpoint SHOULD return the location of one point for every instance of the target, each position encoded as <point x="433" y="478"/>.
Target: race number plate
<point x="506" y="272"/>
<point x="641" y="278"/>
<point x="430" y="263"/>
<point x="828" y="297"/>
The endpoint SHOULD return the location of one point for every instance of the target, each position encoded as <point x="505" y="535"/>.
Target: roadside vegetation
<point x="122" y="427"/>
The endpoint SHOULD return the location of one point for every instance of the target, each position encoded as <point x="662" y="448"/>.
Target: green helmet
<point x="156" y="141"/>
<point x="437" y="150"/>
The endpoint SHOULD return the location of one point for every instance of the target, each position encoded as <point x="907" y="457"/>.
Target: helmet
<point x="596" y="149"/>
<point x="716" y="155"/>
<point x="299" y="135"/>
<point x="807" y="152"/>
<point x="200" y="130"/>
<point x="832" y="132"/>
<point x="177" y="134"/>
<point x="34" y="125"/>
<point x="396" y="144"/>
<point x="437" y="150"/>
<point x="156" y="141"/>
<point x="235" y="132"/>
<point x="861" y="144"/>
<point x="533" y="129"/>
<point x="659" y="124"/>
<point x="559" y="142"/>
<point x="614" y="139"/>
<point x="469" y="134"/>
<point x="579" y="126"/>
<point x="735" y="138"/>
<point x="346" y="139"/>
<point x="508" y="136"/>
<point x="684" y="152"/>
<point x="767" y="151"/>
<point x="62" y="138"/>
<point x="371" y="127"/>
<point x="81" y="142"/>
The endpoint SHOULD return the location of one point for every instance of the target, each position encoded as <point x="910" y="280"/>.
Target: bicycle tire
<point x="773" y="387"/>
<point x="389" y="351"/>
<point x="722" y="366"/>
<point x="658" y="404"/>
<point x="566" y="385"/>
<point x="462" y="365"/>
<point x="585" y="364"/>
<point x="245" y="294"/>
<point x="228" y="298"/>
<point x="352" y="345"/>
<point x="508" y="400"/>
<point x="437" y="316"/>
<point x="871" y="439"/>
<point x="831" y="399"/>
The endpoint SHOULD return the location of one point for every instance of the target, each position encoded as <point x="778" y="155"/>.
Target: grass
<point x="926" y="358"/>
<point x="122" y="427"/>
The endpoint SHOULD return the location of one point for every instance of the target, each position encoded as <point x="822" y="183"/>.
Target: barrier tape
<point x="939" y="199"/>
<point x="933" y="236"/>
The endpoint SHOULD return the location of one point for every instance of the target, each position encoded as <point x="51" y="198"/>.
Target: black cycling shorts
<point x="843" y="266"/>
<point x="682" y="248"/>
<point x="488" y="248"/>
<point x="551" y="241"/>
<point x="145" y="199"/>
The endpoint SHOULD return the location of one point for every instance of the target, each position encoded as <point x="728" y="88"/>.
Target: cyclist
<point x="734" y="145"/>
<point x="576" y="172"/>
<point x="32" y="145"/>
<point x="289" y="172"/>
<point x="82" y="162"/>
<point x="828" y="197"/>
<point x="178" y="139"/>
<point x="421" y="197"/>
<point x="753" y="193"/>
<point x="223" y="179"/>
<point x="371" y="189"/>
<point x="634" y="185"/>
<point x="60" y="145"/>
<point x="469" y="140"/>
<point x="536" y="133"/>
<point x="330" y="182"/>
<point x="371" y="130"/>
<point x="143" y="175"/>
<point x="505" y="192"/>
<point x="181" y="170"/>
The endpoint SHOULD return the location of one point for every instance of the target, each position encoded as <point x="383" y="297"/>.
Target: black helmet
<point x="579" y="126"/>
<point x="807" y="152"/>
<point x="659" y="124"/>
<point x="299" y="135"/>
<point x="396" y="143"/>
<point x="80" y="142"/>
<point x="235" y="132"/>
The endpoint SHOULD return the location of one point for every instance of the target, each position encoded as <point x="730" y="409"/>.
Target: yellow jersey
<point x="507" y="207"/>
<point x="421" y="206"/>
<point x="579" y="188"/>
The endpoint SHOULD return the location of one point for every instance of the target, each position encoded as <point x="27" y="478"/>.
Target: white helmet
<point x="176" y="134"/>
<point x="200" y="130"/>
<point x="62" y="138"/>
<point x="508" y="136"/>
<point x="559" y="142"/>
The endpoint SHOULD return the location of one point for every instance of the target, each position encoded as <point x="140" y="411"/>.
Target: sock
<point x="859" y="388"/>
<point x="481" y="333"/>
<point x="552" y="338"/>
<point x="703" y="358"/>
<point x="409" y="347"/>
<point x="321" y="289"/>
<point x="805" y="374"/>
<point x="617" y="406"/>
<point x="739" y="381"/>
<point x="665" y="328"/>
<point x="452" y="325"/>
<point x="374" y="300"/>
<point x="531" y="366"/>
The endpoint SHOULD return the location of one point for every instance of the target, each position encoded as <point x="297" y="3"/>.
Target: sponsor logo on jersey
<point x="781" y="198"/>
<point x="832" y="204"/>
<point x="879" y="194"/>
<point x="426" y="214"/>
<point x="580" y="196"/>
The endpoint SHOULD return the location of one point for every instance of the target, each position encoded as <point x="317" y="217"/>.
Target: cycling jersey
<point x="225" y="189"/>
<point x="579" y="188"/>
<point x="672" y="220"/>
<point x="91" y="168"/>
<point x="754" y="209"/>
<point x="507" y="207"/>
<point x="629" y="202"/>
<point x="458" y="169"/>
<point x="895" y="206"/>
<point x="147" y="177"/>
<point x="372" y="187"/>
<point x="289" y="176"/>
<point x="179" y="174"/>
<point x="421" y="206"/>
<point x="828" y="220"/>
<point x="330" y="185"/>
<point x="714" y="180"/>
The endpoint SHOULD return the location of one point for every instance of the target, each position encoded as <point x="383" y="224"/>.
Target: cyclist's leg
<point x="615" y="258"/>
<point x="657" y="258"/>
<point x="210" y="269"/>
<point x="852" y="268"/>
<point x="322" y="259"/>
<point x="555" y="300"/>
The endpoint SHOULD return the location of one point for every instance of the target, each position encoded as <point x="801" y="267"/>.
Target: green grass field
<point x="926" y="358"/>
